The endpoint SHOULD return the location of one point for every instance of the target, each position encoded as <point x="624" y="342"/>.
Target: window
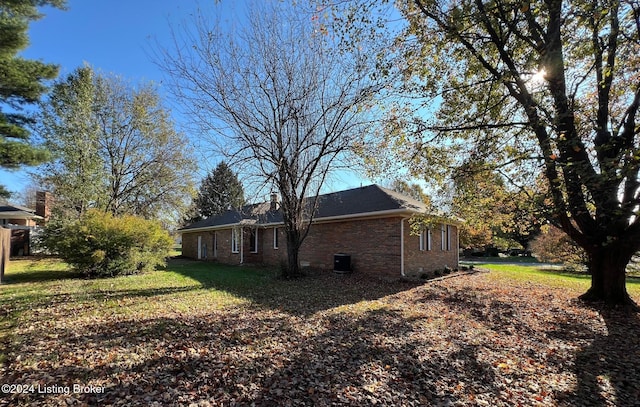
<point x="425" y="240"/>
<point x="235" y="238"/>
<point x="443" y="237"/>
<point x="253" y="240"/>
<point x="276" y="243"/>
<point x="449" y="237"/>
<point x="215" y="244"/>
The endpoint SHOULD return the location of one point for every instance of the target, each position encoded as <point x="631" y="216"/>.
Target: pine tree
<point x="220" y="191"/>
<point x="21" y="83"/>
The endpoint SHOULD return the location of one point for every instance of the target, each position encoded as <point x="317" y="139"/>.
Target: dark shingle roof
<point x="363" y="201"/>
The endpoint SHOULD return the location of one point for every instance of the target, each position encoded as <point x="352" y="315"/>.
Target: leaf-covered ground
<point x="189" y="337"/>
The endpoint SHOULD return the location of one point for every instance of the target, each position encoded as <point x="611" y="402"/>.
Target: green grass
<point x="510" y="259"/>
<point x="38" y="290"/>
<point x="550" y="277"/>
<point x="199" y="325"/>
<point x="49" y="287"/>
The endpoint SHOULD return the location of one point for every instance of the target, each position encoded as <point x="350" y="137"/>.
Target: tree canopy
<point x="278" y="97"/>
<point x="22" y="83"/>
<point x="533" y="88"/>
<point x="115" y="148"/>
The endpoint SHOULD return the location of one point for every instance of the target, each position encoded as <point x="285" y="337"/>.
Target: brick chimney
<point x="44" y="201"/>
<point x="274" y="202"/>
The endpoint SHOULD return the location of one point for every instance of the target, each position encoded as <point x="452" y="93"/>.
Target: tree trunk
<point x="607" y="266"/>
<point x="292" y="269"/>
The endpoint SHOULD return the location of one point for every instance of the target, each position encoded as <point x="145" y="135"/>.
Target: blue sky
<point x="116" y="36"/>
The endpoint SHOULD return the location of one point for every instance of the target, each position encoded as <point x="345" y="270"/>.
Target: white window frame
<point x="443" y="237"/>
<point x="255" y="239"/>
<point x="235" y="238"/>
<point x="276" y="243"/>
<point x="425" y="240"/>
<point x="449" y="237"/>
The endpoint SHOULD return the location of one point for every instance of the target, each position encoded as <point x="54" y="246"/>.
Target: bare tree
<point x="279" y="98"/>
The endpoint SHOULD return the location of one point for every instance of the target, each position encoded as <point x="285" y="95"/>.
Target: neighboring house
<point x="23" y="222"/>
<point x="370" y="224"/>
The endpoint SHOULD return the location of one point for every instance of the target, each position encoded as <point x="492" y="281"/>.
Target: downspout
<point x="457" y="247"/>
<point x="241" y="245"/>
<point x="402" y="246"/>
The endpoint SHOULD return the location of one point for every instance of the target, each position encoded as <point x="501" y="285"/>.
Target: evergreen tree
<point x="21" y="83"/>
<point x="220" y="190"/>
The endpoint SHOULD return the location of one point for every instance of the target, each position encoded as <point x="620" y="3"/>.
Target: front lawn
<point x="551" y="277"/>
<point x="218" y="335"/>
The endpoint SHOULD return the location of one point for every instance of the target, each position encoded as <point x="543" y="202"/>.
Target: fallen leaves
<point x="328" y="341"/>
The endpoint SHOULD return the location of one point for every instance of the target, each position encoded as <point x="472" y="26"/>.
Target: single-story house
<point x="368" y="224"/>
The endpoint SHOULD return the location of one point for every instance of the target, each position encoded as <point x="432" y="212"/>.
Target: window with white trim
<point x="276" y="242"/>
<point x="449" y="237"/>
<point x="253" y="240"/>
<point x="235" y="240"/>
<point x="443" y="237"/>
<point x="425" y="240"/>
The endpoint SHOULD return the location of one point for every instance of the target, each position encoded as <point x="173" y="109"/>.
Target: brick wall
<point x="218" y="246"/>
<point x="417" y="261"/>
<point x="269" y="254"/>
<point x="373" y="244"/>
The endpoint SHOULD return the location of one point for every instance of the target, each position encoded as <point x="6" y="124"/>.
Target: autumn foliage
<point x="553" y="245"/>
<point x="100" y="244"/>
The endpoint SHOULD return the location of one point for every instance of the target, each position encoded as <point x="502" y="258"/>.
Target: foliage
<point x="534" y="89"/>
<point x="553" y="245"/>
<point x="115" y="148"/>
<point x="199" y="332"/>
<point x="411" y="189"/>
<point x="280" y="98"/>
<point x="99" y="244"/>
<point x="220" y="191"/>
<point x="496" y="215"/>
<point x="22" y="82"/>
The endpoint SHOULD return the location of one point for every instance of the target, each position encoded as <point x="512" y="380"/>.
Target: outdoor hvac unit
<point x="341" y="263"/>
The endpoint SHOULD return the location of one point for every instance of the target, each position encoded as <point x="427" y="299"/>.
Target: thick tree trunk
<point x="607" y="266"/>
<point x="292" y="269"/>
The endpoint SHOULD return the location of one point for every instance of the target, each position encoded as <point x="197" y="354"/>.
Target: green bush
<point x="100" y="244"/>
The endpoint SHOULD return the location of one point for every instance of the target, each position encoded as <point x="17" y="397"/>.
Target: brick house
<point x="370" y="224"/>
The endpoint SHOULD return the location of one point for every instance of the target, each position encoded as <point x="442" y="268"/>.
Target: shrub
<point x="100" y="244"/>
<point x="554" y="246"/>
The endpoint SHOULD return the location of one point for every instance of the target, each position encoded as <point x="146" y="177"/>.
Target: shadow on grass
<point x="316" y="291"/>
<point x="262" y="359"/>
<point x="607" y="369"/>
<point x="605" y="363"/>
<point x="34" y="276"/>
